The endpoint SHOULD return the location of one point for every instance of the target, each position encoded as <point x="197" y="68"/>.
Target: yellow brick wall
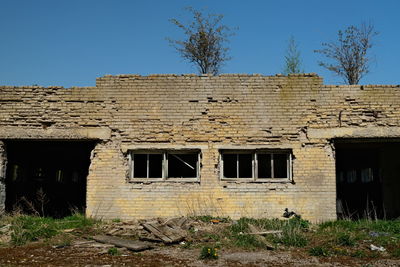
<point x="209" y="113"/>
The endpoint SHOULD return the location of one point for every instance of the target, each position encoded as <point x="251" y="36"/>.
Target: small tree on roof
<point x="204" y="44"/>
<point x="349" y="54"/>
<point x="292" y="58"/>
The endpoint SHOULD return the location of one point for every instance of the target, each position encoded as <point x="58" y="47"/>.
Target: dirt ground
<point x="44" y="255"/>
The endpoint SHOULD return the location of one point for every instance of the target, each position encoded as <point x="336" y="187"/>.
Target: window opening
<point x="163" y="165"/>
<point x="182" y="165"/>
<point x="256" y="164"/>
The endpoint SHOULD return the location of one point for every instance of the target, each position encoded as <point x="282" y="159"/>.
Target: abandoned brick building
<point x="230" y="145"/>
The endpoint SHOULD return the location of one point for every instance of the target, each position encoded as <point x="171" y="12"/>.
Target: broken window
<point x="164" y="165"/>
<point x="256" y="165"/>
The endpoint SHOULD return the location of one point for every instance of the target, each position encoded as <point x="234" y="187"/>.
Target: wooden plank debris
<point x="132" y="245"/>
<point x="266" y="232"/>
<point x="165" y="232"/>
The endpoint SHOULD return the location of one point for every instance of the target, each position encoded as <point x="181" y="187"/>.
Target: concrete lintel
<point x="354" y="132"/>
<point x="154" y="146"/>
<point x="255" y="146"/>
<point x="14" y="132"/>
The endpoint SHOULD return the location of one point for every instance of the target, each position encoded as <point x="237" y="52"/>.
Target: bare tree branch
<point x="349" y="53"/>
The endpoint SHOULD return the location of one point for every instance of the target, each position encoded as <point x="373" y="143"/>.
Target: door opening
<point x="367" y="178"/>
<point x="47" y="178"/>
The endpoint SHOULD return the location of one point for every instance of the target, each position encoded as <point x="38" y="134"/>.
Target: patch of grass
<point x="292" y="237"/>
<point x="293" y="232"/>
<point x="62" y="240"/>
<point x="358" y="254"/>
<point x="348" y="233"/>
<point x="247" y="241"/>
<point x="238" y="232"/>
<point x="395" y="252"/>
<point x="113" y="251"/>
<point x="345" y="239"/>
<point x="32" y="228"/>
<point x="319" y="251"/>
<point x="209" y="253"/>
<point x="187" y="244"/>
<point x="339" y="251"/>
<point x="382" y="226"/>
<point x="213" y="236"/>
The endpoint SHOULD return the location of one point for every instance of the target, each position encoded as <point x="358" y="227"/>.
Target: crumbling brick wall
<point x="209" y="113"/>
<point x="3" y="163"/>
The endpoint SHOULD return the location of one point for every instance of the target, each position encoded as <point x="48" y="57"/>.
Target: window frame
<point x="254" y="153"/>
<point x="164" y="165"/>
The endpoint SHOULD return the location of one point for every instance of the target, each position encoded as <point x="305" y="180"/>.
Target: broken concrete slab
<point x="132" y="245"/>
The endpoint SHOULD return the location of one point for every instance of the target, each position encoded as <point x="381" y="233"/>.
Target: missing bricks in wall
<point x="162" y="112"/>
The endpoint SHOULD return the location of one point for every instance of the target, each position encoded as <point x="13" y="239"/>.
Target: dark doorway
<point x="47" y="178"/>
<point x="367" y="178"/>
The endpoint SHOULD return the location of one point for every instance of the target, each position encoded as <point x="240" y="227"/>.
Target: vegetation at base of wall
<point x="293" y="232"/>
<point x="26" y="228"/>
<point x="357" y="238"/>
<point x="364" y="239"/>
<point x="212" y="219"/>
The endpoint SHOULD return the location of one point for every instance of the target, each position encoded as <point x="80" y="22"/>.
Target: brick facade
<point x="208" y="113"/>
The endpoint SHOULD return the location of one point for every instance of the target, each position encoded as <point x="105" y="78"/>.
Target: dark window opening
<point x="256" y="165"/>
<point x="147" y="165"/>
<point x="264" y="165"/>
<point x="140" y="167"/>
<point x="238" y="165"/>
<point x="161" y="165"/>
<point x="47" y="178"/>
<point x="280" y="165"/>
<point x="245" y="165"/>
<point x="230" y="165"/>
<point x="182" y="165"/>
<point x="155" y="165"/>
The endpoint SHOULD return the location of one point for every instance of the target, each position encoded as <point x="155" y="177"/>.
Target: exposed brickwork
<point x="3" y="162"/>
<point x="209" y="113"/>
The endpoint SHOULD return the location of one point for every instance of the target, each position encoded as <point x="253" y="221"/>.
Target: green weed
<point x="395" y="253"/>
<point x="358" y="254"/>
<point x="319" y="251"/>
<point x="113" y="251"/>
<point x="209" y="253"/>
<point x="345" y="239"/>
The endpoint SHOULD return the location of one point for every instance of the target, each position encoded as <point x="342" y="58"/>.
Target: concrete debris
<point x="132" y="245"/>
<point x="373" y="247"/>
<point x="167" y="231"/>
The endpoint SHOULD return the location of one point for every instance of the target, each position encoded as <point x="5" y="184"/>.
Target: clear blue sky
<point x="71" y="42"/>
